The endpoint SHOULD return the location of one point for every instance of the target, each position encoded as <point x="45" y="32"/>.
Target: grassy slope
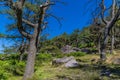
<point x="87" y="71"/>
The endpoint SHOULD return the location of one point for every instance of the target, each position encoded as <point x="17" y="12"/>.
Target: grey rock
<point x="68" y="62"/>
<point x="76" y="49"/>
<point x="105" y="73"/>
<point x="61" y="60"/>
<point x="116" y="61"/>
<point x="71" y="64"/>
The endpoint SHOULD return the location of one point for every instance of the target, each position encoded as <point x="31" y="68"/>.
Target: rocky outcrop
<point x="69" y="49"/>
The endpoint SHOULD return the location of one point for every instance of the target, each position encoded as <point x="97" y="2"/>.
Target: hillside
<point x="90" y="69"/>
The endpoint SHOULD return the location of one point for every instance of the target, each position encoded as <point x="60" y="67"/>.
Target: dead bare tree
<point x="115" y="12"/>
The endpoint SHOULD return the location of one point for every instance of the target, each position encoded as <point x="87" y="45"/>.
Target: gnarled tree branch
<point x="29" y="23"/>
<point x="102" y="12"/>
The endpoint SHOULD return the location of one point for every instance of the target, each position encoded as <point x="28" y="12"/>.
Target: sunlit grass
<point x="48" y="72"/>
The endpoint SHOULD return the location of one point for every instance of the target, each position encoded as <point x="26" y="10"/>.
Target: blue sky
<point x="74" y="15"/>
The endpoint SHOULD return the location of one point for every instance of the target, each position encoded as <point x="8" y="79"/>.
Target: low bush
<point x="49" y="49"/>
<point x="83" y="46"/>
<point x="11" y="56"/>
<point x="44" y="57"/>
<point x="77" y="54"/>
<point x="58" y="55"/>
<point x="19" y="68"/>
<point x="16" y="67"/>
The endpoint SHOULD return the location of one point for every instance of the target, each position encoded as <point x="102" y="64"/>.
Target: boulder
<point x="76" y="49"/>
<point x="68" y="62"/>
<point x="62" y="60"/>
<point x="71" y="64"/>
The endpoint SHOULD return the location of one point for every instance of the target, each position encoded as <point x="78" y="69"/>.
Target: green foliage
<point x="77" y="54"/>
<point x="16" y="68"/>
<point x="32" y="7"/>
<point x="93" y="49"/>
<point x="9" y="57"/>
<point x="4" y="75"/>
<point x="61" y="40"/>
<point x="9" y="65"/>
<point x="58" y="55"/>
<point x="44" y="57"/>
<point x="14" y="56"/>
<point x="19" y="68"/>
<point x="1" y="56"/>
<point x="74" y="38"/>
<point x="49" y="49"/>
<point x="83" y="45"/>
<point x="35" y="77"/>
<point x="78" y="38"/>
<point x="118" y="23"/>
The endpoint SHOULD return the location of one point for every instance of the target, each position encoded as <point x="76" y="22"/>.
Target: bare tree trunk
<point x="112" y="43"/>
<point x="30" y="60"/>
<point x="109" y="24"/>
<point x="21" y="57"/>
<point x="112" y="40"/>
<point x="99" y="45"/>
<point x="103" y="46"/>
